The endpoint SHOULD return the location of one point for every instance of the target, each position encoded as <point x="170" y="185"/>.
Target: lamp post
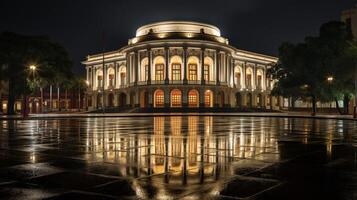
<point x="330" y="79"/>
<point x="25" y="110"/>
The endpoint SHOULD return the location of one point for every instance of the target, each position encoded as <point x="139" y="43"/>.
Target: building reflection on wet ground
<point x="178" y="157"/>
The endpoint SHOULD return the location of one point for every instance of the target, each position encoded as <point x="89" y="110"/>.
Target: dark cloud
<point x="255" y="25"/>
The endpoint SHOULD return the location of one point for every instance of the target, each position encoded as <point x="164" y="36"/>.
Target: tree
<point x="78" y="85"/>
<point x="19" y="51"/>
<point x="303" y="68"/>
<point x="340" y="59"/>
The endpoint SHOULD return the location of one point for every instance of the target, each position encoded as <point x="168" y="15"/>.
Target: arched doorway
<point x="249" y="100"/>
<point x="220" y="99"/>
<point x="122" y="100"/>
<point x="111" y="100"/>
<point x="176" y="98"/>
<point x="208" y="99"/>
<point x="159" y="99"/>
<point x="238" y="99"/>
<point x="193" y="99"/>
<point x="99" y="100"/>
<point x="144" y="99"/>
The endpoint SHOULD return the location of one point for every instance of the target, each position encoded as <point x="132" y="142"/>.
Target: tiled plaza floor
<point x="178" y="157"/>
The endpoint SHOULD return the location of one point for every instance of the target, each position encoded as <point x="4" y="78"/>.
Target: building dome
<point x="178" y="30"/>
<point x="178" y="27"/>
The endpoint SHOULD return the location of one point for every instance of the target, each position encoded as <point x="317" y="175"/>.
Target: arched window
<point x="208" y="99"/>
<point x="238" y="76"/>
<point x="122" y="76"/>
<point x="208" y="69"/>
<point x="159" y="64"/>
<point x="193" y="99"/>
<point x="111" y="76"/>
<point x="249" y="78"/>
<point x="144" y="71"/>
<point x="192" y="68"/>
<point x="159" y="97"/>
<point x="99" y="78"/>
<point x="176" y="71"/>
<point x="176" y="98"/>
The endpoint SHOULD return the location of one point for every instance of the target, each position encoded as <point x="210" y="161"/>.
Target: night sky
<point x="254" y="25"/>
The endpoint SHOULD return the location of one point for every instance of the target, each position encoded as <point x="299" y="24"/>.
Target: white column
<point x="217" y="68"/>
<point x="244" y="78"/>
<point x="202" y="65"/>
<point x="115" y="76"/>
<point x="184" y="57"/>
<point x="87" y="69"/>
<point x="167" y="61"/>
<point x="93" y="77"/>
<point x="104" y="77"/>
<point x="149" y="66"/>
<point x="139" y="68"/>
<point x="127" y="66"/>
<point x="255" y="77"/>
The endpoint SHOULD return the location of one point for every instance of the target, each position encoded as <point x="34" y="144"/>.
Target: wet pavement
<point x="178" y="157"/>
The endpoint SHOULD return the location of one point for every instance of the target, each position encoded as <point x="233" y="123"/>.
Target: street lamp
<point x="330" y="79"/>
<point x="33" y="67"/>
<point x="25" y="98"/>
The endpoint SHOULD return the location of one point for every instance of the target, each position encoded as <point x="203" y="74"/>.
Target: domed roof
<point x="178" y="27"/>
<point x="178" y="30"/>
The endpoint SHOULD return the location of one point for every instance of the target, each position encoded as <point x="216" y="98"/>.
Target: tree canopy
<point x="321" y="68"/>
<point x="18" y="52"/>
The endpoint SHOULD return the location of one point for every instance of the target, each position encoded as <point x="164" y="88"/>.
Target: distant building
<point x="3" y="95"/>
<point x="177" y="64"/>
<point x="52" y="100"/>
<point x="350" y="18"/>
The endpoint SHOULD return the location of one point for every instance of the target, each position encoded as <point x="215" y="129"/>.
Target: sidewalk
<point x="237" y="114"/>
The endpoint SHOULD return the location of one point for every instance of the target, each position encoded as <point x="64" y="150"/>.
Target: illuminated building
<point x="179" y="64"/>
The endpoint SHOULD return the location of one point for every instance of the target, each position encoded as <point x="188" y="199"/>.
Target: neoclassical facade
<point x="178" y="64"/>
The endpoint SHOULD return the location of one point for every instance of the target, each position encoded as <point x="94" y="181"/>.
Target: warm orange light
<point x="33" y="67"/>
<point x="330" y="79"/>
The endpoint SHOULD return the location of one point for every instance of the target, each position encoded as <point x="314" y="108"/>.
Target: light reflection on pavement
<point x="192" y="157"/>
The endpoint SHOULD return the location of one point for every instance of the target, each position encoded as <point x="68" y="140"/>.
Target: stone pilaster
<point x="202" y="66"/>
<point x="167" y="61"/>
<point x="149" y="66"/>
<point x="184" y="56"/>
<point x="217" y="68"/>
<point x="167" y="97"/>
<point x="128" y="63"/>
